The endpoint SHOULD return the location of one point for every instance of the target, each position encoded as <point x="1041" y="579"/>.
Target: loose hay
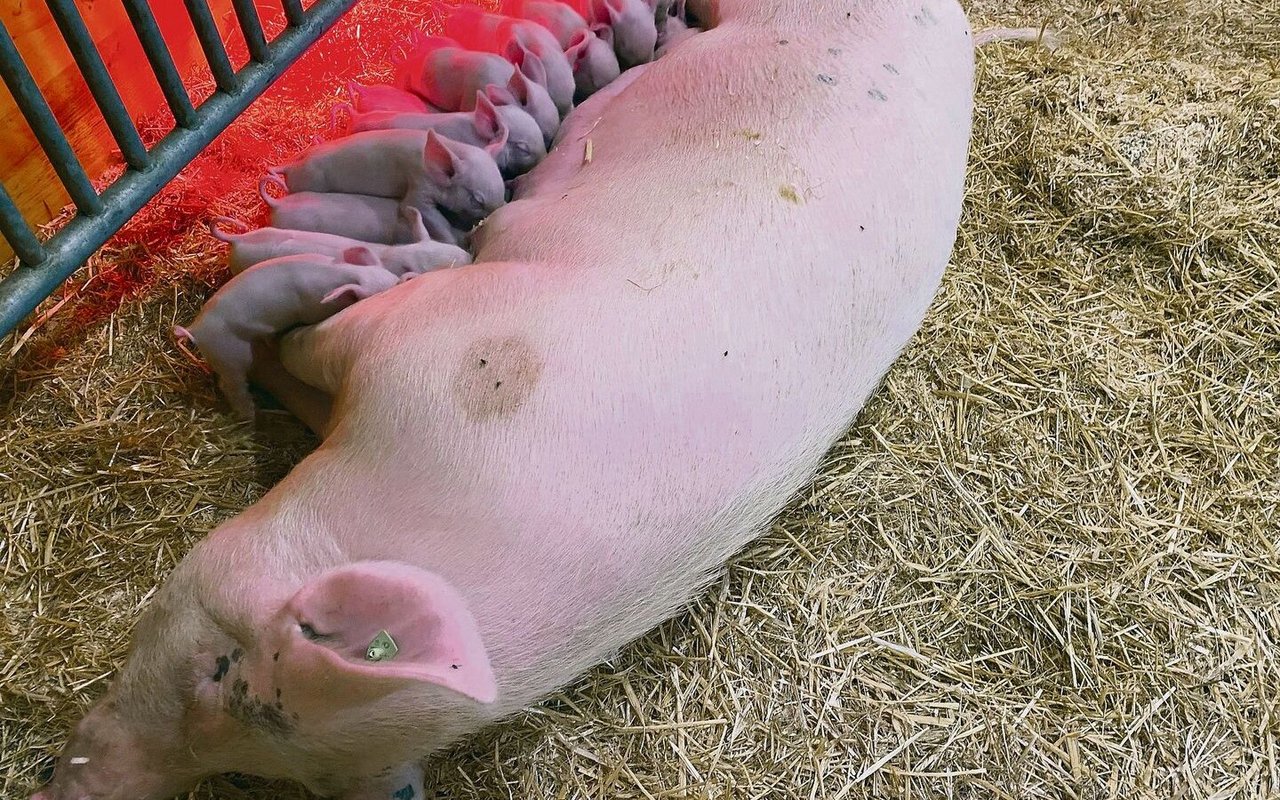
<point x="1042" y="565"/>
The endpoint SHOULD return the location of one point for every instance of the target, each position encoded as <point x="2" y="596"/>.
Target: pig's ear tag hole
<point x="382" y="648"/>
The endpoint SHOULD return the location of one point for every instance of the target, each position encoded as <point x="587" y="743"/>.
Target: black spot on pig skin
<point x="827" y="79"/>
<point x="876" y="94"/>
<point x="237" y="654"/>
<point x="224" y="664"/>
<point x="891" y="69"/>
<point x="275" y="657"/>
<point x="253" y="711"/>
<point x="406" y="793"/>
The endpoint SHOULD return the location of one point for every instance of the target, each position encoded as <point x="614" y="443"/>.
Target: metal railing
<point x="43" y="266"/>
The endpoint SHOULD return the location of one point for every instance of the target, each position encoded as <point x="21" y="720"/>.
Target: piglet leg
<point x="231" y="360"/>
<point x="403" y="783"/>
<point x="304" y="401"/>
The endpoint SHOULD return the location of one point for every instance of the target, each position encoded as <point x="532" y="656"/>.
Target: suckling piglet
<point x="251" y="247"/>
<point x="479" y="30"/>
<point x="356" y="216"/>
<point x="381" y="97"/>
<point x="481" y="127"/>
<point x="270" y="298"/>
<point x="635" y="30"/>
<point x="589" y="47"/>
<point x="449" y="76"/>
<point x="451" y="183"/>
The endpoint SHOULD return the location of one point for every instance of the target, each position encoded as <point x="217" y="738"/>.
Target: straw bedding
<point x="1043" y="564"/>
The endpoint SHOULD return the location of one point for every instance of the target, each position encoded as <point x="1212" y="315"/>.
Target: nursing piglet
<point x="635" y="31"/>
<point x="357" y="216"/>
<point x="380" y="97"/>
<point x="494" y="33"/>
<point x="481" y="127"/>
<point x="269" y="299"/>
<point x="451" y="183"/>
<point x="253" y="247"/>
<point x="589" y="48"/>
<point x="449" y="77"/>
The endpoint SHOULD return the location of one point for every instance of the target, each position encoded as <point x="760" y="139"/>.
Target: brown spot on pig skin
<point x="790" y="194"/>
<point x="495" y="377"/>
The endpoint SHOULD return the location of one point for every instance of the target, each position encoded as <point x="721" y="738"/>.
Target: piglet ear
<point x="361" y="256"/>
<point x="533" y="68"/>
<point x="439" y="157"/>
<point x="500" y="95"/>
<point x="485" y="118"/>
<point x="518" y="88"/>
<point x="603" y="32"/>
<point x="345" y="295"/>
<point x="371" y="626"/>
<point x="577" y="49"/>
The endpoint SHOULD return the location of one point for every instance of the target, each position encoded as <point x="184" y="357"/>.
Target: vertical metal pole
<point x="211" y="43"/>
<point x="15" y="230"/>
<point x="98" y="79"/>
<point x="33" y="106"/>
<point x="293" y="12"/>
<point x="144" y="23"/>
<point x="251" y="26"/>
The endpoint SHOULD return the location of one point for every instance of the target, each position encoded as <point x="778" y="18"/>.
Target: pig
<point x="443" y="179"/>
<point x="635" y="30"/>
<point x="356" y="216"/>
<point x="378" y="97"/>
<point x="268" y="299"/>
<point x="595" y="65"/>
<point x="479" y="30"/>
<point x="536" y="459"/>
<point x="448" y="77"/>
<point x="253" y="247"/>
<point x="589" y="48"/>
<point x="481" y="127"/>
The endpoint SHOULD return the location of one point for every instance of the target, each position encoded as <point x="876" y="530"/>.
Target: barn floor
<point x="1044" y="563"/>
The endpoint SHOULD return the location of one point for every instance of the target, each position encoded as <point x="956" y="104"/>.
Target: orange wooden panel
<point x="26" y="172"/>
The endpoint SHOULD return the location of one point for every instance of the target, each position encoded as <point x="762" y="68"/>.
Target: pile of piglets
<point x="424" y="160"/>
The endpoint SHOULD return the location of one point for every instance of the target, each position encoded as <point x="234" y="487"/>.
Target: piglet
<point x="357" y="216"/>
<point x="595" y="65"/>
<point x="253" y="247"/>
<point x="269" y="299"/>
<point x="481" y="127"/>
<point x="635" y="31"/>
<point x="448" y="77"/>
<point x="436" y="175"/>
<point x="478" y="30"/>
<point x="673" y="27"/>
<point x="380" y="97"/>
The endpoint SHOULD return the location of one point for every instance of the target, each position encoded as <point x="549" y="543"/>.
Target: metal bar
<point x="33" y="106"/>
<point x="99" y="81"/>
<point x="144" y="24"/>
<point x="293" y="12"/>
<point x="66" y="251"/>
<point x="211" y="43"/>
<point x="251" y="27"/>
<point x="15" y="230"/>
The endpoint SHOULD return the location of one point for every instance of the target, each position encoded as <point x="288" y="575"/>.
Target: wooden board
<point x="26" y="172"/>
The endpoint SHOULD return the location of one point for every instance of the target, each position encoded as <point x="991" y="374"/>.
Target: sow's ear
<point x="365" y="629"/>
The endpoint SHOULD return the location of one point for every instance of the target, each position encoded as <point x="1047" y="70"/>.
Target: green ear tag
<point x="382" y="648"/>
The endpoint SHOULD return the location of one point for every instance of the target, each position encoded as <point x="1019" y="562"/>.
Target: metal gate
<point x="43" y="266"/>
